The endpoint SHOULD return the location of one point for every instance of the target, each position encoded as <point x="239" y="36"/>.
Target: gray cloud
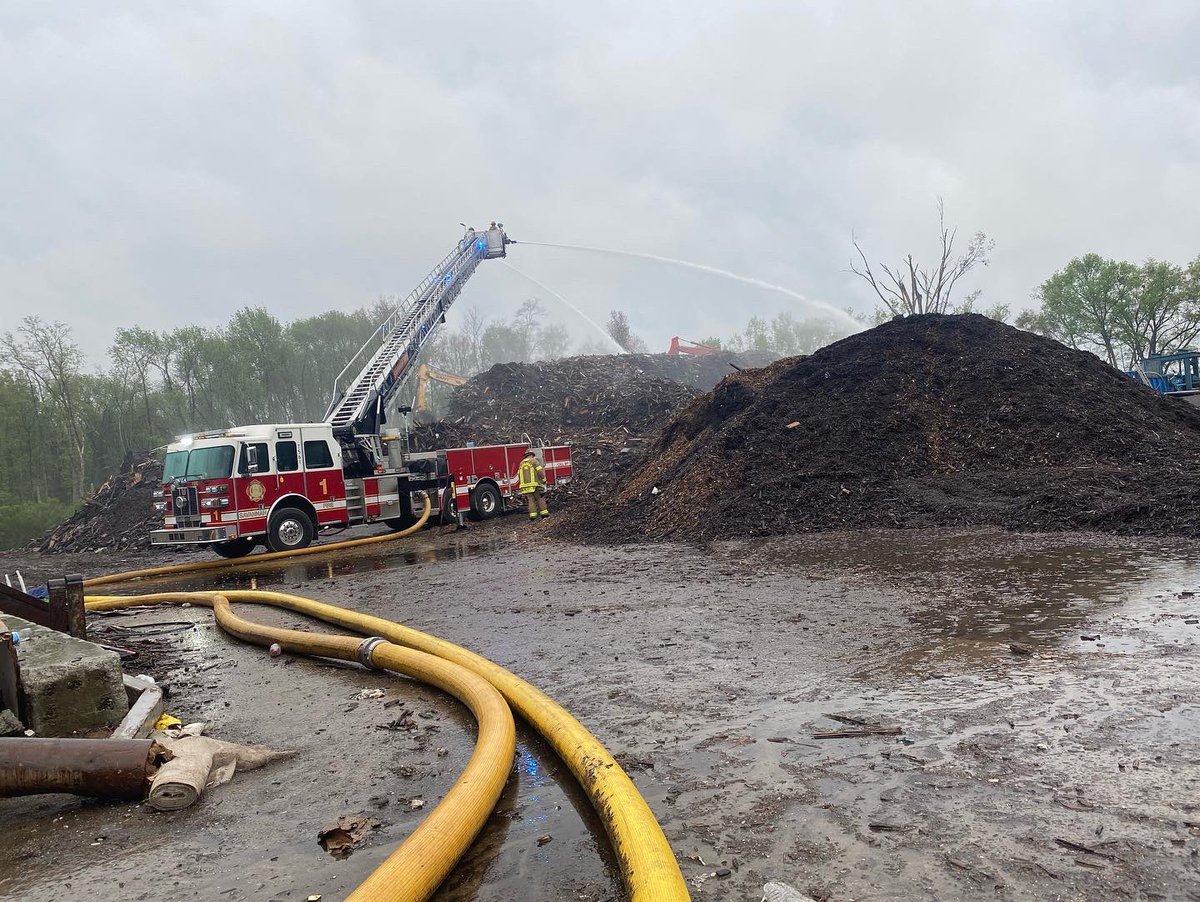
<point x="167" y="164"/>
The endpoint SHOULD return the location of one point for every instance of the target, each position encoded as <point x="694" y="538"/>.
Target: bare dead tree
<point x="910" y="288"/>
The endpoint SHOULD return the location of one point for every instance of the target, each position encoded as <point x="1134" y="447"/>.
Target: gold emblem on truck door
<point x="255" y="491"/>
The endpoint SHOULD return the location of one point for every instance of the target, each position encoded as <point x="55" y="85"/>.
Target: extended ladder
<point x="410" y="325"/>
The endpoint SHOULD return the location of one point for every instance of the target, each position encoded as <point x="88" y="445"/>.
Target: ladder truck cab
<point x="279" y="484"/>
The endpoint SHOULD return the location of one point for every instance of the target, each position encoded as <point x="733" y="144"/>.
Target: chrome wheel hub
<point x="291" y="532"/>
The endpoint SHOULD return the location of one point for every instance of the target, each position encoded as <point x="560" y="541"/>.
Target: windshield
<point x="175" y="465"/>
<point x="200" y="463"/>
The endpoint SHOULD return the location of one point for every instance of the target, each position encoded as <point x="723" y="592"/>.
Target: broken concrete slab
<point x="71" y="686"/>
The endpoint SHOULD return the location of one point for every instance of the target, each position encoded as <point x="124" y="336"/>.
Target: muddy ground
<point x="1070" y="772"/>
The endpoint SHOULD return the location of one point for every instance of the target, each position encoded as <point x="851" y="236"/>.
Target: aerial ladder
<point x="359" y="406"/>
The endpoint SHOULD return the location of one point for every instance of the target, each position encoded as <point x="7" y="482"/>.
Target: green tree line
<point x="1122" y="311"/>
<point x="67" y="428"/>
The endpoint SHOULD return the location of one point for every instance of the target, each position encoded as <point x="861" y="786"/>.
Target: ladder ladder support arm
<point x="402" y="335"/>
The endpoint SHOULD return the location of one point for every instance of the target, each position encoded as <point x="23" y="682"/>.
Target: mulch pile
<point x="119" y="516"/>
<point x="557" y="399"/>
<point x="930" y="420"/>
<point x="607" y="407"/>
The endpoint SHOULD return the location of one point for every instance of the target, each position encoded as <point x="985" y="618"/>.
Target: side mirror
<point x="251" y="459"/>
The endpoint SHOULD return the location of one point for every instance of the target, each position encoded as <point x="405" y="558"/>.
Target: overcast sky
<point x="168" y="163"/>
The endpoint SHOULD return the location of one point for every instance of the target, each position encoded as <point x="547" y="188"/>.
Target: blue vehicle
<point x="1175" y="374"/>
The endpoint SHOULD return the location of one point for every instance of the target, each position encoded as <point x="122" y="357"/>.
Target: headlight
<point x="213" y="503"/>
<point x="158" y="493"/>
<point x="217" y="489"/>
<point x="160" y="506"/>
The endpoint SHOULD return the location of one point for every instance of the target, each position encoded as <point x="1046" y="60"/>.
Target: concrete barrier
<point x="71" y="686"/>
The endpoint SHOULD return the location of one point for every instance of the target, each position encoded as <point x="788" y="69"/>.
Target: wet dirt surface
<point x="1064" y="769"/>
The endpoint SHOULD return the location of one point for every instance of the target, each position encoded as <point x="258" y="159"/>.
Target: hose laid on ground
<point x="648" y="866"/>
<point x="427" y="856"/>
<point x="255" y="559"/>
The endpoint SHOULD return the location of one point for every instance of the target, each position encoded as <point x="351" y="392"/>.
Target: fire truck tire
<point x="486" y="501"/>
<point x="290" y="529"/>
<point x="234" y="547"/>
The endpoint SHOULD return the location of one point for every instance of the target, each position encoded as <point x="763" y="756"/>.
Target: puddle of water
<point x="541" y="799"/>
<point x="313" y="568"/>
<point x="969" y="597"/>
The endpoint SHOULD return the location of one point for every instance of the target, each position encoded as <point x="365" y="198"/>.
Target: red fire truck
<point x="278" y="485"/>
<point x="484" y="478"/>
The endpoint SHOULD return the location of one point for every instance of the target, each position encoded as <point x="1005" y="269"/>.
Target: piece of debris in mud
<point x="119" y="516"/>
<point x="781" y="892"/>
<point x="1087" y="850"/>
<point x="930" y="420"/>
<point x="403" y="723"/>
<point x="861" y="731"/>
<point x="631" y="762"/>
<point x="344" y="835"/>
<point x="200" y="763"/>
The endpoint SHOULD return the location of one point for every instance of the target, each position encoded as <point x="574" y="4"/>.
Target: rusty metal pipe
<point x="98" y="768"/>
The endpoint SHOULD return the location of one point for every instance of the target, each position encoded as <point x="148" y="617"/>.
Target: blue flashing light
<point x="481" y="245"/>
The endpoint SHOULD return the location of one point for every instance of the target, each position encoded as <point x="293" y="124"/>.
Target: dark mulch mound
<point x="606" y="407"/>
<point x="554" y="399"/>
<point x="928" y="420"/>
<point x="120" y="515"/>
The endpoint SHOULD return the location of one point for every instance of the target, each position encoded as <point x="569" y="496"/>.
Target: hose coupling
<point x="366" y="648"/>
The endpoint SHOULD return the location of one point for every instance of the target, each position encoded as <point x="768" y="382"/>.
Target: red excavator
<point x="690" y="348"/>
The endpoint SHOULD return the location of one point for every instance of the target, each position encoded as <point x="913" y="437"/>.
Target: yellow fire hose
<point x="648" y="865"/>
<point x="426" y="858"/>
<point x="256" y="559"/>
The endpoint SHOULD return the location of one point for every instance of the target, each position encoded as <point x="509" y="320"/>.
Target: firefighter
<point x="532" y="476"/>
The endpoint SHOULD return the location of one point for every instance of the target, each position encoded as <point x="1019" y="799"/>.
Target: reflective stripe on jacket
<point x="531" y="475"/>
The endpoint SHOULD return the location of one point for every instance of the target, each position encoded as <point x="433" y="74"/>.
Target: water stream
<point x="840" y="316"/>
<point x="591" y="322"/>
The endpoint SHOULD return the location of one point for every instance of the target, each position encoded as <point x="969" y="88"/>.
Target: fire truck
<point x="279" y="485"/>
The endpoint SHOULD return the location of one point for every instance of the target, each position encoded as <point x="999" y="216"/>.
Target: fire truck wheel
<point x="234" y="547"/>
<point x="485" y="501"/>
<point x="290" y="529"/>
